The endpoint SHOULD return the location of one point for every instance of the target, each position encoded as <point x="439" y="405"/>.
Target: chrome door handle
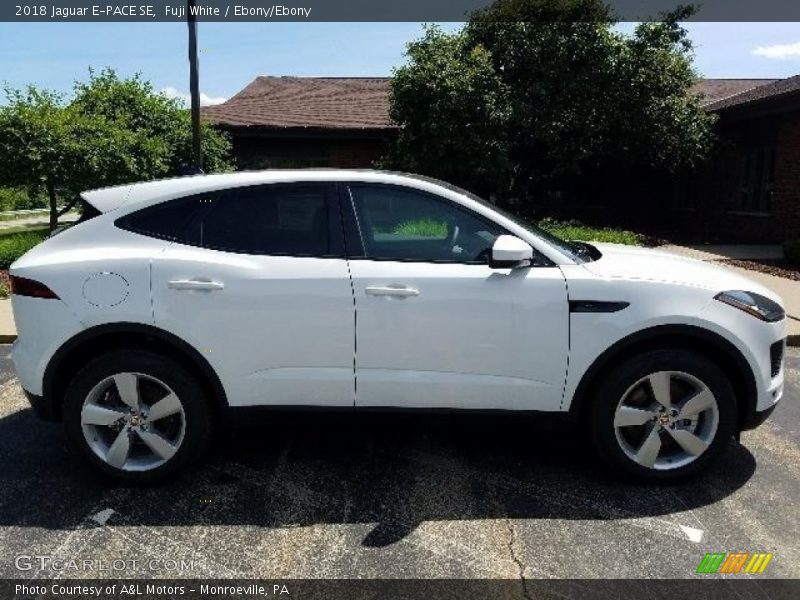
<point x="195" y="284"/>
<point x="391" y="290"/>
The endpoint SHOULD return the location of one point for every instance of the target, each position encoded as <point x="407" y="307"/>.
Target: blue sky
<point x="53" y="55"/>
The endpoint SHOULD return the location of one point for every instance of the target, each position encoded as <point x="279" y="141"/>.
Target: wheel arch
<point x="66" y="361"/>
<point x="708" y="343"/>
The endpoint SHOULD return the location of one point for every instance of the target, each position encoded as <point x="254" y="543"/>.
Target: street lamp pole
<point x="194" y="84"/>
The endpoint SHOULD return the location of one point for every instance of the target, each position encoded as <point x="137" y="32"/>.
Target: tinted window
<point x="168" y="220"/>
<point x="403" y="224"/>
<point x="276" y="219"/>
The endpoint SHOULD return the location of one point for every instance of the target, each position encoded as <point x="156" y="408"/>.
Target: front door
<point x="436" y="326"/>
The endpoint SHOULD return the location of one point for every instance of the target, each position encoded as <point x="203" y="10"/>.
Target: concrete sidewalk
<point x="713" y="252"/>
<point x="37" y="220"/>
<point x="8" y="330"/>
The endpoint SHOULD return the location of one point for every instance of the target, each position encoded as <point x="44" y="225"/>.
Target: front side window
<point x="404" y="224"/>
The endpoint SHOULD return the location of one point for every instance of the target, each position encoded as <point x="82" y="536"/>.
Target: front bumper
<point x="756" y="418"/>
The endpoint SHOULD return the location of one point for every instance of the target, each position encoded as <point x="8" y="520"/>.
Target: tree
<point x="453" y="110"/>
<point x="113" y="131"/>
<point x="531" y="90"/>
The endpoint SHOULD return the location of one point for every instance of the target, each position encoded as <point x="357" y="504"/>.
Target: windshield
<point x="573" y="251"/>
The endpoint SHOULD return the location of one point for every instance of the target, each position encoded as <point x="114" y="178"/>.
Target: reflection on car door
<point x="436" y="326"/>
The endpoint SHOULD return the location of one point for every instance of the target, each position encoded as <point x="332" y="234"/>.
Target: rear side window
<point x="280" y="219"/>
<point x="165" y="221"/>
<point x="275" y="219"/>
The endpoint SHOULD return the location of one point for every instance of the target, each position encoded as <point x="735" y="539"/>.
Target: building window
<point x="757" y="174"/>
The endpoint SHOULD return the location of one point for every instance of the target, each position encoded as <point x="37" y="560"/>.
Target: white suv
<point x="174" y="303"/>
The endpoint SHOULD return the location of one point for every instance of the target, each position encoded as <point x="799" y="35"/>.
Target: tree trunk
<point x="51" y="193"/>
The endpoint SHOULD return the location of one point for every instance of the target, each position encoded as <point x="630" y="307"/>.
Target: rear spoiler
<point x="107" y="199"/>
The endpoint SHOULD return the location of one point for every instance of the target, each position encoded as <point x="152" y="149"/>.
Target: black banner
<point x="359" y="10"/>
<point x="407" y="589"/>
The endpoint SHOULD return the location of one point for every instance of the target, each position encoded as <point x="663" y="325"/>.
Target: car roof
<point x="140" y="194"/>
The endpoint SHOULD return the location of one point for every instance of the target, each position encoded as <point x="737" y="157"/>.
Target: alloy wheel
<point x="133" y="421"/>
<point x="666" y="420"/>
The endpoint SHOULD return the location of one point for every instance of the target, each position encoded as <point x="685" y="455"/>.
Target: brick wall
<point x="786" y="197"/>
<point x="719" y="184"/>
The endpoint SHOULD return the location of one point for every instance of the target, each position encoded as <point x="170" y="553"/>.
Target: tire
<point x="683" y="444"/>
<point x="136" y="445"/>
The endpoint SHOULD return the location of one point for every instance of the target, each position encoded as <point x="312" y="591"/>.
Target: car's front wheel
<point x="664" y="414"/>
<point x="136" y="416"/>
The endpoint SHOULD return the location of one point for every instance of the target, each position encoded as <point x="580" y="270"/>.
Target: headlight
<point x="753" y="304"/>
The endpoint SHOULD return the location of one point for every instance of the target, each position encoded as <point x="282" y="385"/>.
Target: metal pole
<point x="194" y="84"/>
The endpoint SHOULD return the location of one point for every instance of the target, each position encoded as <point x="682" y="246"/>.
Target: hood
<point x="631" y="262"/>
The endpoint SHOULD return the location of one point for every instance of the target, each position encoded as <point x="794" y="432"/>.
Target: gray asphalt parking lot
<point x="390" y="496"/>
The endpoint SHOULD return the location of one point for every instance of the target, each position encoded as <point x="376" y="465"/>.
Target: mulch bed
<point x="779" y="268"/>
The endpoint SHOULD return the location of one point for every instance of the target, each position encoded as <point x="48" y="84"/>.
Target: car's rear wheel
<point x="136" y="416"/>
<point x="664" y="414"/>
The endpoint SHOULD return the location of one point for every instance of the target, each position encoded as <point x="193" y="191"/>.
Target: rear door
<point x="257" y="281"/>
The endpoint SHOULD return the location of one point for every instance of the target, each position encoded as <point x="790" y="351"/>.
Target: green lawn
<point x="568" y="230"/>
<point x="12" y="229"/>
<point x="575" y="230"/>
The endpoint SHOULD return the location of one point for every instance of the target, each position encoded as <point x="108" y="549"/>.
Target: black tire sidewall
<point x="624" y="375"/>
<point x="194" y="401"/>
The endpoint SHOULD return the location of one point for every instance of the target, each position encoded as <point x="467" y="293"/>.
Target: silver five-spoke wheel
<point x="666" y="420"/>
<point x="133" y="422"/>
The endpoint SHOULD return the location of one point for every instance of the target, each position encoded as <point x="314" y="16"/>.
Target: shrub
<point x="575" y="230"/>
<point x="14" y="245"/>
<point x="791" y="250"/>
<point x="18" y="199"/>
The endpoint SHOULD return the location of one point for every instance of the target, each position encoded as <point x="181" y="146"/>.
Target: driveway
<point x="386" y="497"/>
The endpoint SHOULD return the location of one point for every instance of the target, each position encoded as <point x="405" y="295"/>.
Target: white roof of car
<point x="140" y="194"/>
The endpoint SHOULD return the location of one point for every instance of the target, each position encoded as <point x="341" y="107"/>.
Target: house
<point x="749" y="190"/>
<point x="288" y="122"/>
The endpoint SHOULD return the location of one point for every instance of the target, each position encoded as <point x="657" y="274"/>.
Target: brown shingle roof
<point x="307" y="102"/>
<point x="770" y="91"/>
<point x="363" y="103"/>
<point x="714" y="90"/>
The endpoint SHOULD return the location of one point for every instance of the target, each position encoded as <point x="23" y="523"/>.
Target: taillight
<point x="28" y="287"/>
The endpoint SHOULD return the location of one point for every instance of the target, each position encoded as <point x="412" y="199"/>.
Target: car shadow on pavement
<point x="391" y="471"/>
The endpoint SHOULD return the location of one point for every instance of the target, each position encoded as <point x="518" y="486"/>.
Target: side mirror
<point x="509" y="252"/>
